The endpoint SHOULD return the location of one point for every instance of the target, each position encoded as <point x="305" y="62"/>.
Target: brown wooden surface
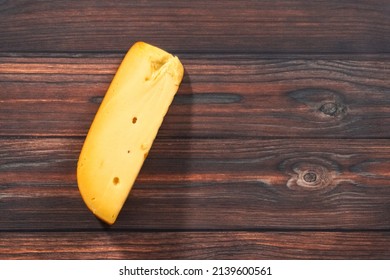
<point x="195" y="245"/>
<point x="221" y="96"/>
<point x="276" y="146"/>
<point x="207" y="184"/>
<point x="229" y="26"/>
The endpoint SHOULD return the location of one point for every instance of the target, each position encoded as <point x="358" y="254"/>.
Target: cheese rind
<point x="125" y="127"/>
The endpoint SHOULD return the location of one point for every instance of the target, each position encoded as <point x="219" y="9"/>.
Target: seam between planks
<point x="263" y="55"/>
<point x="106" y="228"/>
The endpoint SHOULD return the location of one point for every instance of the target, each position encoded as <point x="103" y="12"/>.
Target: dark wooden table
<point x="276" y="146"/>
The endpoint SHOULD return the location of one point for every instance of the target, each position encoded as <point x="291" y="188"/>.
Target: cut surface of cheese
<point x="125" y="127"/>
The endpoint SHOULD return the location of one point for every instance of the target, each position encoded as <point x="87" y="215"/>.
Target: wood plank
<point x="347" y="26"/>
<point x="207" y="184"/>
<point x="195" y="245"/>
<point x="221" y="96"/>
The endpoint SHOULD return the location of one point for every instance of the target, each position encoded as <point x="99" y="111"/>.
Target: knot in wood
<point x="310" y="173"/>
<point x="323" y="104"/>
<point x="329" y="108"/>
<point x="310" y="177"/>
<point x="332" y="109"/>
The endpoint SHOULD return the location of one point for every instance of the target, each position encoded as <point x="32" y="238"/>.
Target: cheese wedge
<point x="125" y="127"/>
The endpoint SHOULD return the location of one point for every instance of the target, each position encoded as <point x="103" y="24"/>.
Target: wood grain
<point x="347" y="26"/>
<point x="277" y="145"/>
<point x="195" y="245"/>
<point x="207" y="184"/>
<point x="221" y="96"/>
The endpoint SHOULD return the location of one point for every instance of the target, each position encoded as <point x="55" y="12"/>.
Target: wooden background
<point x="277" y="145"/>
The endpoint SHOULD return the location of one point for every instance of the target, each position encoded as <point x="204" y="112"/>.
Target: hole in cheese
<point x="115" y="180"/>
<point x="144" y="147"/>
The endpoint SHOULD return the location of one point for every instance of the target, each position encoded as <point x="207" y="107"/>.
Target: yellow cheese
<point x="125" y="127"/>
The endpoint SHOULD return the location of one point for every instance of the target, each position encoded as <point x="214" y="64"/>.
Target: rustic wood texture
<point x="347" y="26"/>
<point x="221" y="96"/>
<point x="195" y="245"/>
<point x="207" y="184"/>
<point x="276" y="146"/>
